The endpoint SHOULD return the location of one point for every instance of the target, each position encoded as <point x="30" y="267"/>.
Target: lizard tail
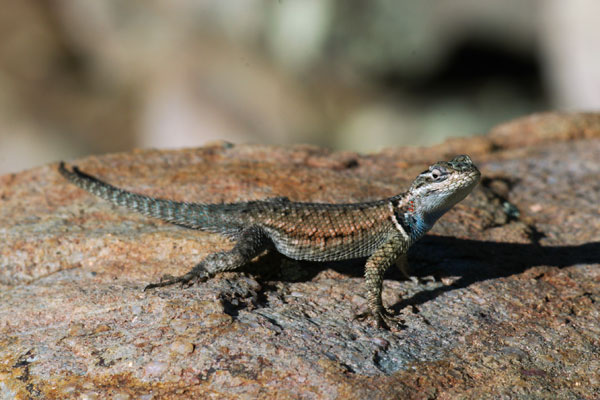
<point x="189" y="215"/>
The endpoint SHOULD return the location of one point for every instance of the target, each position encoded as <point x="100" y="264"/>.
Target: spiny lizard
<point x="381" y="230"/>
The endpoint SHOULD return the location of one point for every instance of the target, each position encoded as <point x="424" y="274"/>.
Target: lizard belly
<point x="327" y="248"/>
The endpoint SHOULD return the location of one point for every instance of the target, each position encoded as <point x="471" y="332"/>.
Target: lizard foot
<point x="383" y="319"/>
<point x="186" y="280"/>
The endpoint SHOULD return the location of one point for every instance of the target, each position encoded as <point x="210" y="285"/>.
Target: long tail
<point x="190" y="215"/>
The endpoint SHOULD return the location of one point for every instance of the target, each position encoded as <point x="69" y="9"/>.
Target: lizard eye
<point x="436" y="173"/>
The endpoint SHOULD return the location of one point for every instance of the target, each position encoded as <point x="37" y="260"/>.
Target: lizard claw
<point x="185" y="280"/>
<point x="383" y="319"/>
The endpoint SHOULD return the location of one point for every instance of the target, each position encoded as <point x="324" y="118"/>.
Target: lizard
<point x="381" y="230"/>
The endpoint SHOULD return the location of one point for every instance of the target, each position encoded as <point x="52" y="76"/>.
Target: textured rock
<point x="512" y="309"/>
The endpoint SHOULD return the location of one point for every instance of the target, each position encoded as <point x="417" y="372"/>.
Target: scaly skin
<point x="382" y="230"/>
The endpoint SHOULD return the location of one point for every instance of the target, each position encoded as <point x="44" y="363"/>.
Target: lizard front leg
<point x="250" y="243"/>
<point x="375" y="268"/>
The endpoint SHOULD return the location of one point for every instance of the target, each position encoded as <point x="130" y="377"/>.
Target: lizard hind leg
<point x="251" y="242"/>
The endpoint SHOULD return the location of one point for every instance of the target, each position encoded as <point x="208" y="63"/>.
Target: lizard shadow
<point x="472" y="260"/>
<point x="475" y="261"/>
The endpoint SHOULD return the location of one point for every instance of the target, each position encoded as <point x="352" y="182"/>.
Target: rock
<point x="513" y="311"/>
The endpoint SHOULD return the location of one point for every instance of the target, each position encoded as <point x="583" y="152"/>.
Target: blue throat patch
<point x="419" y="225"/>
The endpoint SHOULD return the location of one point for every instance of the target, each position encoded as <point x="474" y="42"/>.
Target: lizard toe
<point x="384" y="319"/>
<point x="390" y="321"/>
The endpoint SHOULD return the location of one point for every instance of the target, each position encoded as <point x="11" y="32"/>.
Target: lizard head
<point x="443" y="185"/>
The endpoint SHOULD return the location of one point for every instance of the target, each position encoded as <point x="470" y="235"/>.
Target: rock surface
<point x="508" y="304"/>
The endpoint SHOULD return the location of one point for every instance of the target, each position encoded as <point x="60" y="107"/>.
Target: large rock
<point x="513" y="308"/>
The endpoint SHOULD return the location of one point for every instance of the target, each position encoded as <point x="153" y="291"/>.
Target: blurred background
<point x="79" y="77"/>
